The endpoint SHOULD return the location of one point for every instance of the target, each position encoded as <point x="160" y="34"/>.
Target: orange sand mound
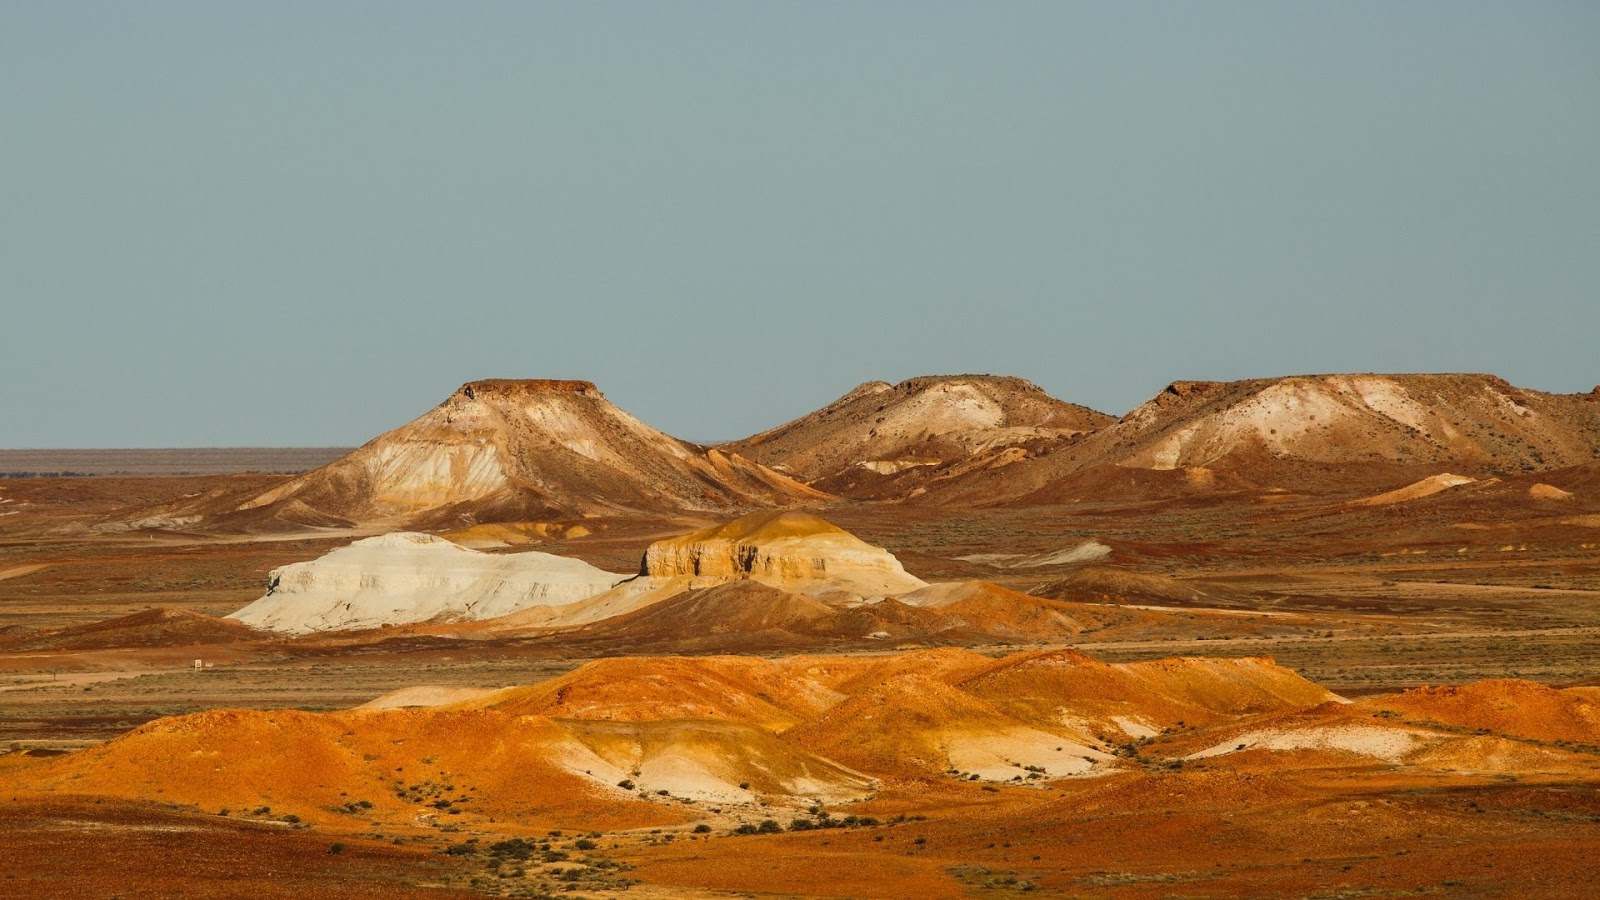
<point x="412" y="766"/>
<point x="735" y="689"/>
<point x="1121" y="700"/>
<point x="1511" y="707"/>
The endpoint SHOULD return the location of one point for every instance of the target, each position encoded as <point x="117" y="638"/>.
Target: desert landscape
<point x="1317" y="635"/>
<point x="724" y="450"/>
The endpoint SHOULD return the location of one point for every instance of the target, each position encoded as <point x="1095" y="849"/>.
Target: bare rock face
<point x="401" y="578"/>
<point x="502" y="450"/>
<point x="793" y="550"/>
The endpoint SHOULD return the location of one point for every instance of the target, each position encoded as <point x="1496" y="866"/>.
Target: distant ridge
<point x="501" y="450"/>
<point x="166" y="461"/>
<point x="1306" y="432"/>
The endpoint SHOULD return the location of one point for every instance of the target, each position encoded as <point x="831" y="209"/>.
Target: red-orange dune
<point x="1506" y="706"/>
<point x="911" y="732"/>
<point x="538" y="754"/>
<point x="402" y="762"/>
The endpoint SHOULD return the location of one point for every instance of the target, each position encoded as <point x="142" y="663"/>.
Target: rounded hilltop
<point x="883" y="440"/>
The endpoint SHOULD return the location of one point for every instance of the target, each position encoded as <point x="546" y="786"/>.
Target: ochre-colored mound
<point x="513" y="534"/>
<point x="1511" y="707"/>
<point x="647" y="743"/>
<point x="749" y="616"/>
<point x="728" y="688"/>
<point x="732" y="616"/>
<point x="789" y="549"/>
<point x="901" y="725"/>
<point x="149" y="628"/>
<point x="981" y="607"/>
<point x="469" y="763"/>
<point x="1542" y="491"/>
<point x="1132" y="699"/>
<point x="762" y="527"/>
<point x="402" y="762"/>
<point x="1427" y="487"/>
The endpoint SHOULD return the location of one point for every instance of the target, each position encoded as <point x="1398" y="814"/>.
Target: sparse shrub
<point x="335" y="848"/>
<point x="515" y="848"/>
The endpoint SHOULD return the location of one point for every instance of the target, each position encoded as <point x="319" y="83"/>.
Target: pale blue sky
<point x="305" y="223"/>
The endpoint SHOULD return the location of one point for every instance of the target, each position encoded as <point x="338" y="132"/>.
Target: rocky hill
<point x="501" y="450"/>
<point x="1309" y="432"/>
<point x="880" y="440"/>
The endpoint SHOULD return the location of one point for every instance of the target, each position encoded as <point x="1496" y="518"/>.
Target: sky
<point x="305" y="223"/>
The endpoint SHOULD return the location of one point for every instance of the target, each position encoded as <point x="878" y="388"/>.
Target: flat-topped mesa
<point x="788" y="549"/>
<point x="923" y="382"/>
<point x="522" y="387"/>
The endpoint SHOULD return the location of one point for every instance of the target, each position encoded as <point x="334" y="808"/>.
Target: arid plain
<point x="1322" y="636"/>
